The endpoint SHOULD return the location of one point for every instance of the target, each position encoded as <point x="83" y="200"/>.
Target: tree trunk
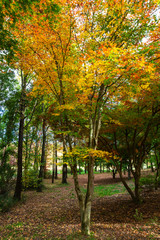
<point x="36" y="156"/>
<point x="131" y="193"/>
<point x="137" y="194"/>
<point x="26" y="161"/>
<point x="103" y="167"/>
<point x="100" y="167"/>
<point x="56" y="171"/>
<point x="152" y="168"/>
<point x="53" y="163"/>
<point x="41" y="171"/>
<point x="79" y="168"/>
<point x="64" y="173"/>
<point x="85" y="218"/>
<point x="129" y="172"/>
<point x="157" y="168"/>
<point x="85" y="201"/>
<point x="86" y="208"/>
<point x="157" y="176"/>
<point x="85" y="168"/>
<point x="114" y="173"/>
<point x="18" y="188"/>
<point x="64" y="170"/>
<point x="45" y="160"/>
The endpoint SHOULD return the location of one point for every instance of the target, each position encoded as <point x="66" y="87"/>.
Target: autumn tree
<point x="83" y="57"/>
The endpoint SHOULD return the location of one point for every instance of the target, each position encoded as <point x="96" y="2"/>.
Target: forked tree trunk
<point x="85" y="208"/>
<point x="84" y="201"/>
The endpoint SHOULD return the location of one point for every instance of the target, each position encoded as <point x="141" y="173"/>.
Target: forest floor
<point x="54" y="214"/>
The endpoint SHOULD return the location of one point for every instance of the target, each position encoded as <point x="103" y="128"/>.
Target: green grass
<point x="109" y="190"/>
<point x="57" y="185"/>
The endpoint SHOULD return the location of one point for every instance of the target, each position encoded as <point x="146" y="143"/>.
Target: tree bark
<point x="129" y="172"/>
<point x="64" y="170"/>
<point x="84" y="201"/>
<point x="56" y="170"/>
<point x="18" y="188"/>
<point x="137" y="178"/>
<point x="86" y="208"/>
<point x="36" y="156"/>
<point x="41" y="171"/>
<point x="157" y="168"/>
<point x="53" y="164"/>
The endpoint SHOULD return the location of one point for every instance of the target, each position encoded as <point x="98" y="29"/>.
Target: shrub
<point x="147" y="181"/>
<point x="6" y="202"/>
<point x="30" y="179"/>
<point x="48" y="174"/>
<point x="6" y="178"/>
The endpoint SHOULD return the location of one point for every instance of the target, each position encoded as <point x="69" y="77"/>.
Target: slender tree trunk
<point x="157" y="176"/>
<point x="79" y="168"/>
<point x="18" y="188"/>
<point x="152" y="168"/>
<point x="36" y="156"/>
<point x="53" y="173"/>
<point x="137" y="178"/>
<point x="100" y="167"/>
<point x="56" y="170"/>
<point x="127" y="187"/>
<point x="147" y="163"/>
<point x="95" y="167"/>
<point x="53" y="165"/>
<point x="64" y="170"/>
<point x="103" y="167"/>
<point x="64" y="175"/>
<point x="26" y="157"/>
<point x="85" y="168"/>
<point x="131" y="193"/>
<point x="41" y="171"/>
<point x="45" y="159"/>
<point x="85" y="209"/>
<point x="114" y="173"/>
<point x="129" y="172"/>
<point x="157" y="169"/>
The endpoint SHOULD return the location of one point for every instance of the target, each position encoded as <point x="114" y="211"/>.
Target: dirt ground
<point x="54" y="214"/>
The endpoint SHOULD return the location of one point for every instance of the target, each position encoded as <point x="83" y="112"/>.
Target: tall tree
<point x="18" y="188"/>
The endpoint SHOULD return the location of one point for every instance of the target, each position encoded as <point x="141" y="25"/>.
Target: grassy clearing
<point x="109" y="190"/>
<point x="99" y="190"/>
<point x="57" y="185"/>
